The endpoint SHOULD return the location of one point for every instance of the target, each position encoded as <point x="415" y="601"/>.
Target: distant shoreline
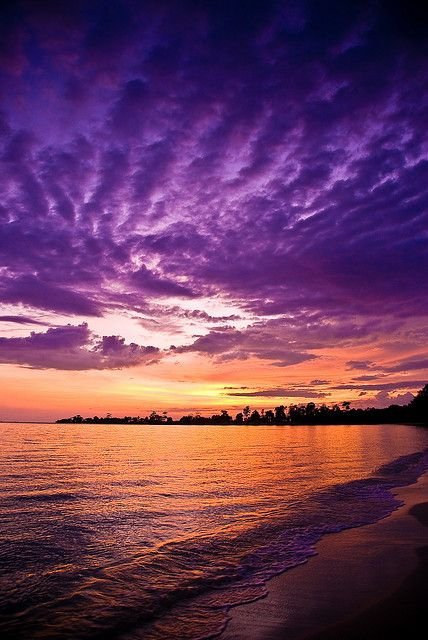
<point x="304" y="414"/>
<point x="415" y="413"/>
<point x="27" y="422"/>
<point x="184" y="424"/>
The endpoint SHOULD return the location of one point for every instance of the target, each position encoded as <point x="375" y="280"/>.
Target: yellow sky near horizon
<point x="179" y="385"/>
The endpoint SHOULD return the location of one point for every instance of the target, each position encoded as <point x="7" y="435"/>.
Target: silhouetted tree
<point x="280" y="415"/>
<point x="157" y="418"/>
<point x="269" y="417"/>
<point x="186" y="419"/>
<point x="415" y="411"/>
<point x="221" y="418"/>
<point x="254" y="417"/>
<point x="419" y="405"/>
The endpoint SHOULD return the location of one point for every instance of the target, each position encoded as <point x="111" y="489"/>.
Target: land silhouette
<point x="311" y="414"/>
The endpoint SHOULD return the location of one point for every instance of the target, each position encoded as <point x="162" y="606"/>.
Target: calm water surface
<point x="148" y="532"/>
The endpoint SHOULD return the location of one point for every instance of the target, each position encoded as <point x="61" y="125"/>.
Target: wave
<point x="184" y="588"/>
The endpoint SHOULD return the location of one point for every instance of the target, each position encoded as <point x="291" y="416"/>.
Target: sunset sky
<point x="211" y="204"/>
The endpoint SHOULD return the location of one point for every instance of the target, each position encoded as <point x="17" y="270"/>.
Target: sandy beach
<point x="363" y="583"/>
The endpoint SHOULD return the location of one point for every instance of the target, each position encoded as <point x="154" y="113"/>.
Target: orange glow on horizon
<point x="187" y="385"/>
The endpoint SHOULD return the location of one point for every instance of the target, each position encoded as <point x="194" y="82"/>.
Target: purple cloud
<point x="73" y="348"/>
<point x="30" y="291"/>
<point x="361" y="364"/>
<point x="158" y="286"/>
<point x="227" y="343"/>
<point x="194" y="150"/>
<point x="409" y="364"/>
<point x="197" y="314"/>
<point x="21" y="320"/>
<point x="384" y="399"/>
<point x="384" y="386"/>
<point x="280" y="392"/>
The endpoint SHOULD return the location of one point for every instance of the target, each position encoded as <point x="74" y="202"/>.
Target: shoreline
<point x="364" y="582"/>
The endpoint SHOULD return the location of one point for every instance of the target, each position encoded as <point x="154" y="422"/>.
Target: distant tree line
<point x="310" y="413"/>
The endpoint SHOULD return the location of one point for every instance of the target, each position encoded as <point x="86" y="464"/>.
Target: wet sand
<point x="365" y="583"/>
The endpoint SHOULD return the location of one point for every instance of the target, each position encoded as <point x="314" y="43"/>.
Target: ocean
<point x="154" y="532"/>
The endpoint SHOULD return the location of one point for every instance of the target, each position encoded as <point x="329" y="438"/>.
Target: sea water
<point x="154" y="532"/>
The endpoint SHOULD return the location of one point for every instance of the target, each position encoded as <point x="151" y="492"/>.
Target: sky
<point x="206" y="205"/>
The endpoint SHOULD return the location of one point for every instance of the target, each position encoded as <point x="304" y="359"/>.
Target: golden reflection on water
<point x="186" y="469"/>
<point x="97" y="516"/>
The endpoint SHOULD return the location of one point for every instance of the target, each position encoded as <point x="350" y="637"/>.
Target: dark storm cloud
<point x="274" y="156"/>
<point x="73" y="348"/>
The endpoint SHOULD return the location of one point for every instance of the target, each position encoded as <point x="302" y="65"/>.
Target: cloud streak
<point x="280" y="393"/>
<point x="21" y="320"/>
